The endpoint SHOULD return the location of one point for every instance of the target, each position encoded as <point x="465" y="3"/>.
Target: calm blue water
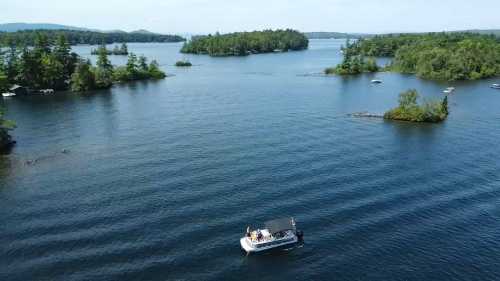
<point x="162" y="178"/>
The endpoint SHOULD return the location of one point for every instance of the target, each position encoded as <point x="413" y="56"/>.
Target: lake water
<point x="161" y="178"/>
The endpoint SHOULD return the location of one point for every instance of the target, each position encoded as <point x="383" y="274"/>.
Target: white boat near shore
<point x="449" y="90"/>
<point x="277" y="233"/>
<point x="376" y="81"/>
<point x="8" y="95"/>
<point x="495" y="86"/>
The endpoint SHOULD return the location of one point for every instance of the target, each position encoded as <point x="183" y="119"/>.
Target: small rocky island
<point x="183" y="63"/>
<point x="410" y="110"/>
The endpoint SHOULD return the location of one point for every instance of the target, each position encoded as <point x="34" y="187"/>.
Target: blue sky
<point x="203" y="16"/>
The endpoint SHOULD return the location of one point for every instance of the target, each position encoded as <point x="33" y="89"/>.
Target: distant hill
<point x="20" y="26"/>
<point x="341" y="35"/>
<point x="334" y="35"/>
<point x="143" y="31"/>
<point x="485" y="31"/>
<point x="17" y="26"/>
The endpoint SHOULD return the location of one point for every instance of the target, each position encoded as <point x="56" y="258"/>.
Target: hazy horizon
<point x="203" y="16"/>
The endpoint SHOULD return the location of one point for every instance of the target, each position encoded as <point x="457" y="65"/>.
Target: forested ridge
<point x="74" y="37"/>
<point x="436" y="56"/>
<point x="245" y="43"/>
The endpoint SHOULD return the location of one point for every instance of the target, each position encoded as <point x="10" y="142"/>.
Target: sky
<point x="208" y="16"/>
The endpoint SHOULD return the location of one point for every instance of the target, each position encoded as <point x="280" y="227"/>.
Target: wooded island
<point x="246" y="43"/>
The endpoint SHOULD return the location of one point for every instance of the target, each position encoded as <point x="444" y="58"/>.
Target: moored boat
<point x="449" y="90"/>
<point x="277" y="233"/>
<point x="8" y="95"/>
<point x="376" y="81"/>
<point x="495" y="86"/>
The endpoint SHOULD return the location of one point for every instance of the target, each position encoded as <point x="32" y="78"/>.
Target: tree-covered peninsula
<point x="353" y="63"/>
<point x="75" y="37"/>
<point x="436" y="56"/>
<point x="54" y="66"/>
<point x="410" y="110"/>
<point x="246" y="43"/>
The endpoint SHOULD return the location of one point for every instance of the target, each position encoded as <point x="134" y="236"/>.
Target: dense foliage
<point x="48" y="66"/>
<point x="43" y="66"/>
<point x="437" y="56"/>
<point x="138" y="69"/>
<point x="5" y="127"/>
<point x="353" y="63"/>
<point x="183" y="63"/>
<point x="245" y="43"/>
<point x="74" y="37"/>
<point x="117" y="51"/>
<point x="87" y="77"/>
<point x="410" y="110"/>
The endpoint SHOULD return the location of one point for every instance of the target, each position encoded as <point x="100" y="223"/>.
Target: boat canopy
<point x="278" y="225"/>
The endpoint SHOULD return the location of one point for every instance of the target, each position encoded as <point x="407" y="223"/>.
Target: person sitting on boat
<point x="259" y="235"/>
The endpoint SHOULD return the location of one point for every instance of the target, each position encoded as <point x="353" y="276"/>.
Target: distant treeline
<point x="246" y="43"/>
<point x="437" y="56"/>
<point x="74" y="37"/>
<point x="334" y="35"/>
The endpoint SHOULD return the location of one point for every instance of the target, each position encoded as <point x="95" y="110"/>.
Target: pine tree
<point x="143" y="63"/>
<point x="83" y="79"/>
<point x="104" y="71"/>
<point x="62" y="53"/>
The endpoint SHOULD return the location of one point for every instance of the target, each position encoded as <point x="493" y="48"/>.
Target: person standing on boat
<point x="248" y="231"/>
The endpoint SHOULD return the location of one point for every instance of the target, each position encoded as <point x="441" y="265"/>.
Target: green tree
<point x="408" y="99"/>
<point x="12" y="64"/>
<point x="29" y="69"/>
<point x="42" y="44"/>
<point x="83" y="78"/>
<point x="143" y="63"/>
<point x="63" y="54"/>
<point x="132" y="67"/>
<point x="4" y="82"/>
<point x="104" y="71"/>
<point x="102" y="59"/>
<point x="154" y="70"/>
<point x="52" y="72"/>
<point x="124" y="49"/>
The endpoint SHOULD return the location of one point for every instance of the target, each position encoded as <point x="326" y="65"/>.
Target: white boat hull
<point x="248" y="247"/>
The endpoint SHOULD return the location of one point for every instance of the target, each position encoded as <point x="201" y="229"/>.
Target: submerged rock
<point x="366" y="115"/>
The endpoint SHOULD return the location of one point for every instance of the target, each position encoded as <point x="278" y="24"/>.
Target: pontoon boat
<point x="277" y="233"/>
